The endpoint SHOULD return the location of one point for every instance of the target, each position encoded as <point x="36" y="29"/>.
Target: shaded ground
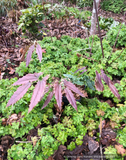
<point x="12" y="47"/>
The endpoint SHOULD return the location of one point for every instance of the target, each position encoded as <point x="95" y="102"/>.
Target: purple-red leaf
<point x="113" y="89"/>
<point x="73" y="88"/>
<point x="104" y="76"/>
<point x="58" y="94"/>
<point x="28" y="58"/>
<point x="38" y="92"/>
<point x="46" y="90"/>
<point x="19" y="93"/>
<point x="48" y="99"/>
<point x="98" y="83"/>
<point x="70" y="98"/>
<point x="28" y="78"/>
<point x="43" y="50"/>
<point x="83" y="72"/>
<point x="80" y="69"/>
<point x="39" y="52"/>
<point x="110" y="84"/>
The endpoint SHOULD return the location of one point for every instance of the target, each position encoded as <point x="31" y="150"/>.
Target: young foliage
<point x="99" y="86"/>
<point x="39" y="52"/>
<point x="19" y="93"/>
<point x="38" y="92"/>
<point x="119" y="31"/>
<point x="41" y="89"/>
<point x="58" y="95"/>
<point x="116" y="6"/>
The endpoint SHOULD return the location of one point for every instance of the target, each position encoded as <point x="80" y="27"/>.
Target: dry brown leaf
<point x="120" y="149"/>
<point x="110" y="103"/>
<point x="12" y="119"/>
<point x="113" y="124"/>
<point x="58" y="155"/>
<point x="11" y="70"/>
<point x="21" y="50"/>
<point x="92" y="145"/>
<point x="50" y="158"/>
<point x="4" y="121"/>
<point x="100" y="112"/>
<point x="34" y="140"/>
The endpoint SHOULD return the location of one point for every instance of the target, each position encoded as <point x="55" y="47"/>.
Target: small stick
<point x="118" y="56"/>
<point x="115" y="42"/>
<point x="99" y="28"/>
<point x="23" y="141"/>
<point x="100" y="138"/>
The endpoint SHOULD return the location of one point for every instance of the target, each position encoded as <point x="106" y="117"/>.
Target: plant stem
<point x="99" y="28"/>
<point x="117" y="57"/>
<point x="115" y="42"/>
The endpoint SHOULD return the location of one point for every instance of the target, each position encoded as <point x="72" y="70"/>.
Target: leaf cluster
<point x="84" y="3"/>
<point x="112" y="34"/>
<point x="7" y="5"/>
<point x="31" y="17"/>
<point x="116" y="6"/>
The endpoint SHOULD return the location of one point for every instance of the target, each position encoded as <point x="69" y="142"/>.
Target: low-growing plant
<point x="105" y="23"/>
<point x="117" y="31"/>
<point x="121" y="136"/>
<point x="81" y="79"/>
<point x="6" y="6"/>
<point x="116" y="6"/>
<point x="31" y="17"/>
<point x="85" y="3"/>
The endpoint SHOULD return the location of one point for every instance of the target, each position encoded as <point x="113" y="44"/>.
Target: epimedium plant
<point x="57" y="87"/>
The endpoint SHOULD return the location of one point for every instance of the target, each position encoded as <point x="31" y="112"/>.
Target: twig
<point x="100" y="138"/>
<point x="24" y="141"/>
<point x="81" y="49"/>
<point x="101" y="152"/>
<point x="92" y="45"/>
<point x="89" y="58"/>
<point x="118" y="56"/>
<point x="99" y="28"/>
<point x="115" y="41"/>
<point x="38" y="138"/>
